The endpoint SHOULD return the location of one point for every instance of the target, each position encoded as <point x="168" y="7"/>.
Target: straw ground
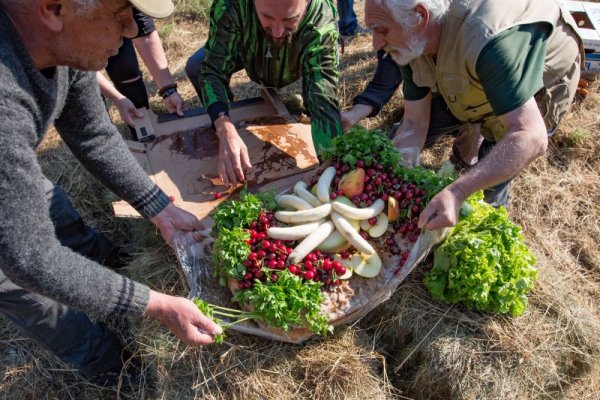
<point x="408" y="347"/>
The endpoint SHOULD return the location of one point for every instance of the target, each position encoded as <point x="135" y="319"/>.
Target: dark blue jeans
<point x="67" y="333"/>
<point x="348" y="23"/>
<point x="194" y="63"/>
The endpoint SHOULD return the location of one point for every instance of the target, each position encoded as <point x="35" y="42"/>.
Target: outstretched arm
<point x="152" y="53"/>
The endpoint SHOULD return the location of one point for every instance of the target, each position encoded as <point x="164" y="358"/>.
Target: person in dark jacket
<point x="51" y="277"/>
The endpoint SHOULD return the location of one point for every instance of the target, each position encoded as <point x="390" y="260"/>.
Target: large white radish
<point x="301" y="190"/>
<point x="292" y="232"/>
<point x="291" y="201"/>
<point x="351" y="235"/>
<point x="359" y="213"/>
<point x="324" y="183"/>
<point x="311" y="242"/>
<point x="380" y="227"/>
<point x="310" y="215"/>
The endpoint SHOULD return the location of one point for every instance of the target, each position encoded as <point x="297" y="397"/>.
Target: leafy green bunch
<point x="240" y="213"/>
<point x="484" y="263"/>
<point x="231" y="218"/>
<point x="285" y="303"/>
<point x="362" y="144"/>
<point x="373" y="146"/>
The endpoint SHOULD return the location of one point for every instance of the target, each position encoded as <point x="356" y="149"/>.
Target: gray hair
<point x="403" y="10"/>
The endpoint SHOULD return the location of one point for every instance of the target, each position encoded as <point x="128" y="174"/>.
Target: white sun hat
<point x="154" y="8"/>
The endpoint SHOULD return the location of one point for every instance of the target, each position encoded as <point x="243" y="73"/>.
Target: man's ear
<point x="423" y="14"/>
<point x="52" y="14"/>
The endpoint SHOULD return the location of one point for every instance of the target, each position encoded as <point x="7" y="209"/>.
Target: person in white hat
<point x="51" y="277"/>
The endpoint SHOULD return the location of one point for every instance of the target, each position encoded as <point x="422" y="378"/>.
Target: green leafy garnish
<point x="229" y="252"/>
<point x="240" y="213"/>
<point x="373" y="146"/>
<point x="362" y="144"/>
<point x="285" y="303"/>
<point x="484" y="263"/>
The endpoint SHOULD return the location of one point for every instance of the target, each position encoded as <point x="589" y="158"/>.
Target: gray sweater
<point x="30" y="254"/>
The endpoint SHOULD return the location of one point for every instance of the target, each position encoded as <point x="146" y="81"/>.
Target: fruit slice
<point x="333" y="242"/>
<point x="365" y="225"/>
<point x="366" y="267"/>
<point x="380" y="227"/>
<point x="393" y="209"/>
<point x="347" y="264"/>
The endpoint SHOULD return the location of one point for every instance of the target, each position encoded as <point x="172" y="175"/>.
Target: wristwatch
<point x="167" y="90"/>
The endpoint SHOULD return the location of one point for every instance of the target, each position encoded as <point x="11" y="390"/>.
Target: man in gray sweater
<point x="51" y="279"/>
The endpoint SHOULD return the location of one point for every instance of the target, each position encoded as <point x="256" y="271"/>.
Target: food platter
<point x="364" y="212"/>
<point x="372" y="210"/>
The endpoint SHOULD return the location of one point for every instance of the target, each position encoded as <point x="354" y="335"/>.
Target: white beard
<point x="415" y="48"/>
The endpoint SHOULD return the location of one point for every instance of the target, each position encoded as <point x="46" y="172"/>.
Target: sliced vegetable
<point x="291" y="201"/>
<point x="351" y="235"/>
<point x="292" y="232"/>
<point x="311" y="242"/>
<point x="359" y="213"/>
<point x="324" y="183"/>
<point x="301" y="189"/>
<point x="310" y="215"/>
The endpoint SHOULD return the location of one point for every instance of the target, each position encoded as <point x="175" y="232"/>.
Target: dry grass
<point x="409" y="347"/>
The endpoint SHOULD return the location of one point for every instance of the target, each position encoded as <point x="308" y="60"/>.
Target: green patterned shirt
<point x="236" y="33"/>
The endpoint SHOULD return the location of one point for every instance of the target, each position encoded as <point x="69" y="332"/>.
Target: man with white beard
<point x="506" y="69"/>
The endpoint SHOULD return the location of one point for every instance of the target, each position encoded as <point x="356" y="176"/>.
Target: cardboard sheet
<point x="182" y="155"/>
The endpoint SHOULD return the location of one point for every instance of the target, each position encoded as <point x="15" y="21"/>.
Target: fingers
<point x="426" y="216"/>
<point x="180" y="106"/>
<point x="438" y="214"/>
<point x="237" y="167"/>
<point x="223" y="172"/>
<point x="231" y="172"/>
<point x="245" y="158"/>
<point x="198" y="236"/>
<point x="128" y="118"/>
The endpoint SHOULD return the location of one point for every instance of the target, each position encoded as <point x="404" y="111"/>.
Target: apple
<point x="333" y="242"/>
<point x="366" y="267"/>
<point x="380" y="227"/>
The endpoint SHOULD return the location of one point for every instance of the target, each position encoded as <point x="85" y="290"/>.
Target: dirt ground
<point x="410" y="347"/>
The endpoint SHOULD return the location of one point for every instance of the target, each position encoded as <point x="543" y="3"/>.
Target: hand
<point x="233" y="154"/>
<point x="183" y="318"/>
<point x="127" y="110"/>
<point x="442" y="211"/>
<point x="178" y="227"/>
<point x="352" y="116"/>
<point x="175" y="103"/>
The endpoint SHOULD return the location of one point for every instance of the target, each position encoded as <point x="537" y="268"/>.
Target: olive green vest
<point x="468" y="27"/>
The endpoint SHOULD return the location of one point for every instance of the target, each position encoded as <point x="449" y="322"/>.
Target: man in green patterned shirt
<point x="277" y="42"/>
